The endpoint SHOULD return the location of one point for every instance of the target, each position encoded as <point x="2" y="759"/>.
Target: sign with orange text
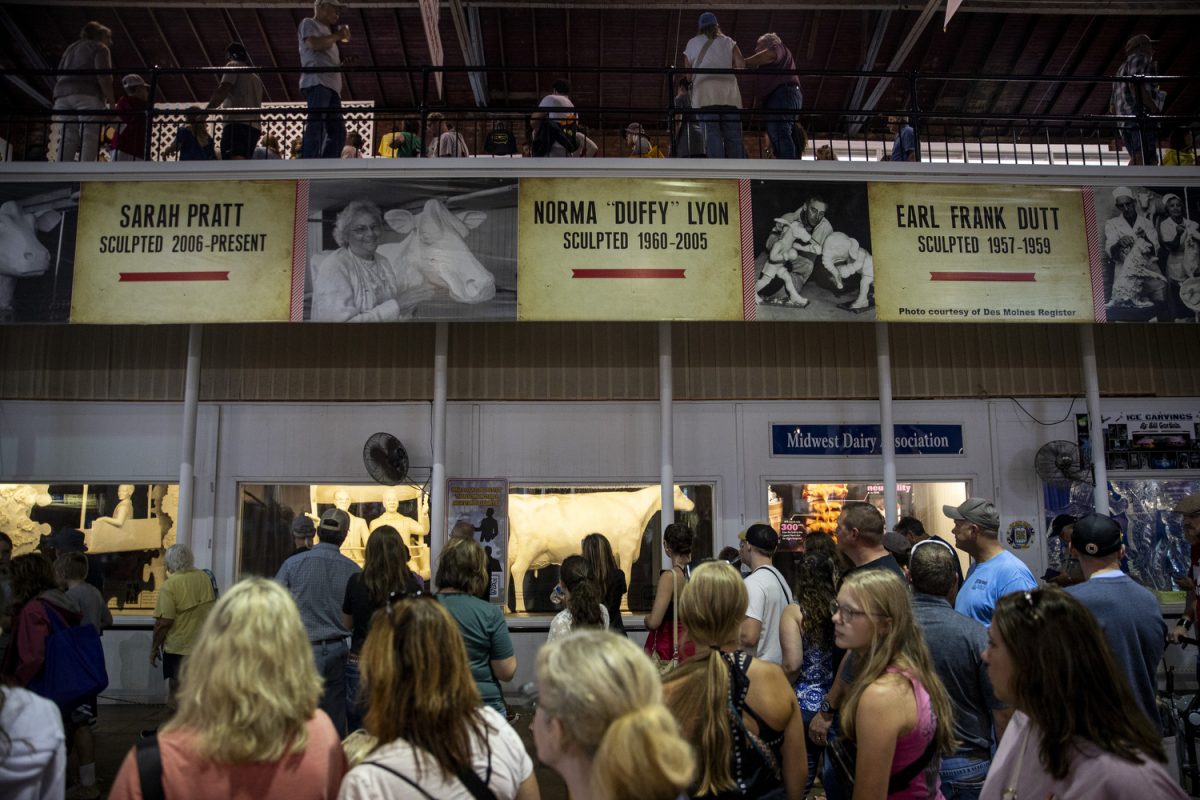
<point x="980" y="253"/>
<point x="172" y="252"/>
<point x="629" y="249"/>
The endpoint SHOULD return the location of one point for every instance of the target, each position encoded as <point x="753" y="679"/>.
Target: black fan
<point x="1059" y="460"/>
<point x="386" y="459"/>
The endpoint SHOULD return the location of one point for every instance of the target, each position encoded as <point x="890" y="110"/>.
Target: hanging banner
<point x="629" y="249"/>
<point x="478" y="510"/>
<point x="980" y="253"/>
<point x="865" y="440"/>
<point x="203" y="251"/>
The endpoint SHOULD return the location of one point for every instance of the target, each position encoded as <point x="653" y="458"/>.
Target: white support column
<point x="437" y="486"/>
<point x="187" y="436"/>
<point x="887" y="428"/>
<point x="1091" y="389"/>
<point x="666" y="434"/>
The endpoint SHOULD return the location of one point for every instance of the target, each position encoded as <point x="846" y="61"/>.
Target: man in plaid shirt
<point x="1142" y="144"/>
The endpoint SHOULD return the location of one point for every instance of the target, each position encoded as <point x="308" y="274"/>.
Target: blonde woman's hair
<point x="357" y="746"/>
<point x="896" y="642"/>
<point x="607" y="696"/>
<point x="711" y="607"/>
<point x="250" y="685"/>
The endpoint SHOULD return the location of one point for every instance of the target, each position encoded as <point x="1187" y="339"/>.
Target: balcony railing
<point x="850" y="134"/>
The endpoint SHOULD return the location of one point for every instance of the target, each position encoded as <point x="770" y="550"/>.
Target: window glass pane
<point x="631" y="524"/>
<point x="126" y="527"/>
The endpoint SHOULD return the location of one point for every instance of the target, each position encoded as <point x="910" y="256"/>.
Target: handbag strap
<point x="674" y="615"/>
<point x="149" y="767"/>
<point x="56" y="619"/>
<point x="700" y="57"/>
<point x="904" y="777"/>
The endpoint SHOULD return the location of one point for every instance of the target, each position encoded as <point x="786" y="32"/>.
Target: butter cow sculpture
<point x="21" y="254"/>
<point x="436" y="250"/>
<point x="546" y="528"/>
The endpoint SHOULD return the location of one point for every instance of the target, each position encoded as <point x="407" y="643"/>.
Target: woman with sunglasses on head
<point x="740" y="713"/>
<point x="462" y="586"/>
<point x="436" y="739"/>
<point x="1077" y="731"/>
<point x="385" y="570"/>
<point x="600" y="722"/>
<point x="248" y="723"/>
<point x="896" y="712"/>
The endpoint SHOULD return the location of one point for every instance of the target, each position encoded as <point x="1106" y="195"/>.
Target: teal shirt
<point x="486" y="635"/>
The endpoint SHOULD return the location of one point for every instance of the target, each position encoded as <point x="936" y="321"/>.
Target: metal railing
<point x="854" y="134"/>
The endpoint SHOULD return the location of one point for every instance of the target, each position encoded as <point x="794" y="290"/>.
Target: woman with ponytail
<point x="600" y="722"/>
<point x="740" y="713"/>
<point x="581" y="594"/>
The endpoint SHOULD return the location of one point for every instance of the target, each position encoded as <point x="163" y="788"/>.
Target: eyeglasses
<point x="359" y="230"/>
<point x="394" y="598"/>
<point x="1030" y="604"/>
<point x="849" y="614"/>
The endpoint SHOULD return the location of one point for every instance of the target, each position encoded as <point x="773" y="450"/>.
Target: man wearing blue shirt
<point x="904" y="146"/>
<point x="996" y="572"/>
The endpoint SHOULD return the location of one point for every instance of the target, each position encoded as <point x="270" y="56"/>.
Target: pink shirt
<point x="910" y="746"/>
<point x="313" y="774"/>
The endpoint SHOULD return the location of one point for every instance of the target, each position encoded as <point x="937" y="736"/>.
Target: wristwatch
<point x="1184" y="623"/>
<point x="825" y="708"/>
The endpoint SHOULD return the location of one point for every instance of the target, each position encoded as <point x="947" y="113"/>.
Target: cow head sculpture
<point x="436" y="248"/>
<point x="21" y="254"/>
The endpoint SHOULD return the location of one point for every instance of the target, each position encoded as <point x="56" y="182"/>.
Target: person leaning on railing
<point x="79" y="136"/>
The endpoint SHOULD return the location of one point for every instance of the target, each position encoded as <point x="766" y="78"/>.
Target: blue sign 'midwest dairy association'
<point x="864" y="440"/>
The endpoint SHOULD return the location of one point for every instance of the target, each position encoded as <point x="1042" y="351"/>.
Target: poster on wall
<point x="812" y="251"/>
<point x="428" y="249"/>
<point x="1146" y="253"/>
<point x="168" y="252"/>
<point x="630" y="249"/>
<point x="1146" y="440"/>
<point x="37" y="250"/>
<point x="478" y="510"/>
<point x="980" y="253"/>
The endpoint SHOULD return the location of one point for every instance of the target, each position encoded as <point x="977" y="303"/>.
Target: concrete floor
<point x="120" y="724"/>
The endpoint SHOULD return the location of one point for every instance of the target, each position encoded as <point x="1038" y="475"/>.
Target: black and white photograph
<point x="37" y="250"/>
<point x="812" y="245"/>
<point x="390" y="250"/>
<point x="1150" y="252"/>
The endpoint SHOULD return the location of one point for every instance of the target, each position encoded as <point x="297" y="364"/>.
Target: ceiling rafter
<point x="283" y="86"/>
<point x="412" y="81"/>
<point x="187" y="79"/>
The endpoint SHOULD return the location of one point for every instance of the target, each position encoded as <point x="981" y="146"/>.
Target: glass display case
<point x="126" y="527"/>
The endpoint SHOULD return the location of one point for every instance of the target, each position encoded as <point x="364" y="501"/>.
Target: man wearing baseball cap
<point x="1128" y="612"/>
<point x="996" y="572"/>
<point x="768" y="592"/>
<point x="320" y="35"/>
<point x="303" y="532"/>
<point x="317" y="580"/>
<point x="1128" y="98"/>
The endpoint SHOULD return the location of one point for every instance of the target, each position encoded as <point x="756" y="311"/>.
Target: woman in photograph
<point x="385" y="571"/>
<point x="248" y="724"/>
<point x="600" y="722"/>
<point x="462" y="585"/>
<point x="603" y="564"/>
<point x="896" y="711"/>
<point x="581" y="595"/>
<point x="1077" y="730"/>
<point x="739" y="712"/>
<point x="435" y="738"/>
<point x="355" y="283"/>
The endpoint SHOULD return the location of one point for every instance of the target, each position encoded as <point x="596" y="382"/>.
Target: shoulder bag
<point x="74" y="666"/>
<point x="665" y="665"/>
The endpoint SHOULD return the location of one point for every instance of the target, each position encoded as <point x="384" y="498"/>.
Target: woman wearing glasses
<point x="600" y="722"/>
<point x="462" y="584"/>
<point x="355" y="283"/>
<point x="1077" y="730"/>
<point x="248" y="724"/>
<point x="740" y="713"/>
<point x="437" y="741"/>
<point x="896" y="712"/>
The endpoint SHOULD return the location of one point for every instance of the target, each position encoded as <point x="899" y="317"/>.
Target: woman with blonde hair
<point x="248" y="723"/>
<point x="436" y="739"/>
<point x="737" y="711"/>
<point x="896" y="711"/>
<point x="600" y="722"/>
<point x="462" y="584"/>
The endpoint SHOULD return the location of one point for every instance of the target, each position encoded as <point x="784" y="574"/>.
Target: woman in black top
<point x="597" y="552"/>
<point x="385" y="570"/>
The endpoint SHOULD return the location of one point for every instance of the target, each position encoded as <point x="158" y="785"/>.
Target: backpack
<point x="551" y="132"/>
<point x="500" y="142"/>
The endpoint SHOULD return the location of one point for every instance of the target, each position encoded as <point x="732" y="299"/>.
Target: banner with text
<point x="865" y="440"/>
<point x="478" y="510"/>
<point x="205" y="251"/>
<point x="629" y="249"/>
<point x="980" y="253"/>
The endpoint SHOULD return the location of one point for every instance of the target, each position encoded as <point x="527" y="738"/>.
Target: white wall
<point x="727" y="444"/>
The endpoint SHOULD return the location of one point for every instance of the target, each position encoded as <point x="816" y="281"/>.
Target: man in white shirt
<point x="320" y="35"/>
<point x="768" y="593"/>
<point x="566" y="120"/>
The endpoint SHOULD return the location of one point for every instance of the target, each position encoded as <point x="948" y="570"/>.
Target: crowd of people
<point x="708" y="109"/>
<point x="879" y="669"/>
